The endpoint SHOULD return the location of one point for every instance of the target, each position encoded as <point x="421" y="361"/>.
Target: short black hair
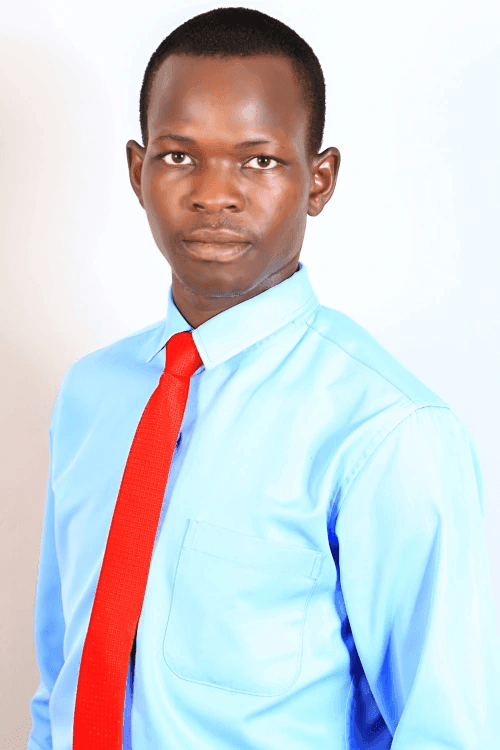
<point x="242" y="32"/>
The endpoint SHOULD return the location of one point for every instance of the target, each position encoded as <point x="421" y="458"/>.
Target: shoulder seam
<point x="367" y="365"/>
<point x="355" y="471"/>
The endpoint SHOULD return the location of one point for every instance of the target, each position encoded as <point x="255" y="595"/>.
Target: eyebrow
<point x="185" y="139"/>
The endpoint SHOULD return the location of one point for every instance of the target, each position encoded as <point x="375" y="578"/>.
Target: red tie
<point x="100" y="695"/>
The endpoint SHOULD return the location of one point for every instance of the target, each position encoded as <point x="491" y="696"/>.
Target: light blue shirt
<point x="319" y="579"/>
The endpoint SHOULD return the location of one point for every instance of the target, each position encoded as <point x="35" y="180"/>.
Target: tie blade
<point x="98" y="718"/>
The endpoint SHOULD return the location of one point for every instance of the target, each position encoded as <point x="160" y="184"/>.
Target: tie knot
<point x="181" y="355"/>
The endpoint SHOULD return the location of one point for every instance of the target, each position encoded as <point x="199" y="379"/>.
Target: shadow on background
<point x="50" y="150"/>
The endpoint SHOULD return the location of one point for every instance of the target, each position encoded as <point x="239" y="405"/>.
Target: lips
<point x="217" y="251"/>
<point x="212" y="237"/>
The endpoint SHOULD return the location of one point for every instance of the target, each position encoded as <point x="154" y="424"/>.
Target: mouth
<point x="219" y="251"/>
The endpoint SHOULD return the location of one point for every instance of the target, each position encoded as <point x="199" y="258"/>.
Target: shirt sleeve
<point x="416" y="584"/>
<point x="49" y="625"/>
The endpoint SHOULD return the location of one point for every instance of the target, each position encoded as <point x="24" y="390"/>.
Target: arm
<point x="417" y="587"/>
<point x="49" y="625"/>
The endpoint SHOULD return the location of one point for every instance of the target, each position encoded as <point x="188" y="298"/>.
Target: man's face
<point x="261" y="192"/>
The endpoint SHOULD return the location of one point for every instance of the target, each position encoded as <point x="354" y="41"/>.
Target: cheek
<point x="163" y="208"/>
<point x="160" y="195"/>
<point x="284" y="204"/>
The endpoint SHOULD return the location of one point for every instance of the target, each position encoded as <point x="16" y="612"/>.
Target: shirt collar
<point x="239" y="327"/>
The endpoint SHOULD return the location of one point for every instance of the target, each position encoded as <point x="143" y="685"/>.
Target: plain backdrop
<point x="408" y="245"/>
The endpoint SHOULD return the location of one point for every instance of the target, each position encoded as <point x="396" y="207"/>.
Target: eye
<point x="175" y="153"/>
<point x="266" y="158"/>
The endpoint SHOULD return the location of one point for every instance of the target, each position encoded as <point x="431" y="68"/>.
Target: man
<point x="319" y="576"/>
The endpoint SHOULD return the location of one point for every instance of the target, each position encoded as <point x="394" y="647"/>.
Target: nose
<point x="216" y="188"/>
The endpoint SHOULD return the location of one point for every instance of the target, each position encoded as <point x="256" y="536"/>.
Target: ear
<point x="324" y="171"/>
<point x="135" y="158"/>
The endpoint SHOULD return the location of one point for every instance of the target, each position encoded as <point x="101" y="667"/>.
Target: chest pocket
<point x="238" y="609"/>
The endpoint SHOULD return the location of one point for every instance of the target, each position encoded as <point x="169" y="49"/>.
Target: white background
<point x="409" y="245"/>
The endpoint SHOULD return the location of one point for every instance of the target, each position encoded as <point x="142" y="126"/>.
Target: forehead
<point x="225" y="96"/>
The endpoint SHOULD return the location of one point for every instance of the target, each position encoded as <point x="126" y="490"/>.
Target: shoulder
<point x="91" y="376"/>
<point x="400" y="430"/>
<point x="368" y="362"/>
<point x="128" y="348"/>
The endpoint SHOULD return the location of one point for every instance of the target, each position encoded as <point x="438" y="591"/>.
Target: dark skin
<point x="213" y="183"/>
